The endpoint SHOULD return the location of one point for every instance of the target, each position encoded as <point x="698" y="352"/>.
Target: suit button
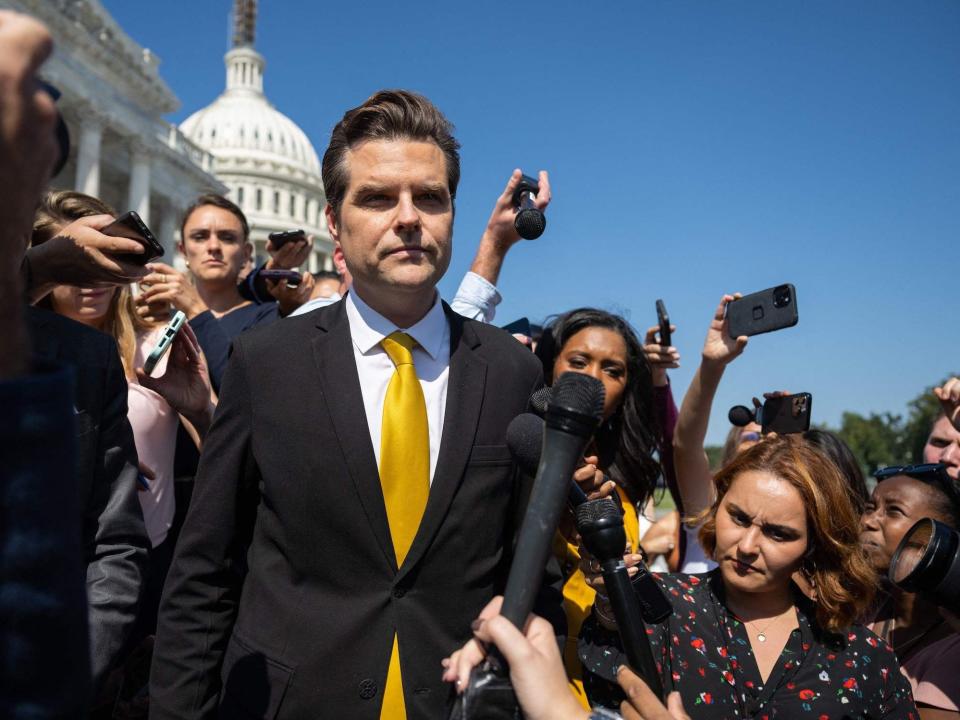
<point x="368" y="688"/>
<point x="399" y="592"/>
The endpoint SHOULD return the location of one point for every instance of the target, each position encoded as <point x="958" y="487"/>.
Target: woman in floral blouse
<point x="743" y="641"/>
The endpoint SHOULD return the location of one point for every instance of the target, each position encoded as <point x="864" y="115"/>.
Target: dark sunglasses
<point x="931" y="473"/>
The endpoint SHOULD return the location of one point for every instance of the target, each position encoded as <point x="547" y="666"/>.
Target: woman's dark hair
<point x="627" y="441"/>
<point x="842" y="456"/>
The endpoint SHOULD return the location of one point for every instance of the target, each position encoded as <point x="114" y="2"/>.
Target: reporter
<point x="744" y="639"/>
<point x="943" y="444"/>
<point x="619" y="458"/>
<point x="215" y="242"/>
<point x="927" y="646"/>
<point x="153" y="404"/>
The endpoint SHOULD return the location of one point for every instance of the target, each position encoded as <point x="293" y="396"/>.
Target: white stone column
<point x="88" y="155"/>
<point x="138" y="199"/>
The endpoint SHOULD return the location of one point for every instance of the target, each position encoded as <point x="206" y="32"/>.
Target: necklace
<point x="762" y="632"/>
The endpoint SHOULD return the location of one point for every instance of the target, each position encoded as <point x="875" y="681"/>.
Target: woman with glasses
<point x="928" y="648"/>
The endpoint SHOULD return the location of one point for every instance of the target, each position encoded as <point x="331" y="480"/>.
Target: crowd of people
<point x="308" y="507"/>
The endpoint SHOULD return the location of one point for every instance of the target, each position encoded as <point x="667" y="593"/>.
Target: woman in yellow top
<point x="620" y="457"/>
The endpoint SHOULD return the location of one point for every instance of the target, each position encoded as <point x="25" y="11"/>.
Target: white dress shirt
<point x="431" y="358"/>
<point x="477" y="298"/>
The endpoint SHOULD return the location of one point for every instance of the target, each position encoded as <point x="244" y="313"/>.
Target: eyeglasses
<point x="930" y="473"/>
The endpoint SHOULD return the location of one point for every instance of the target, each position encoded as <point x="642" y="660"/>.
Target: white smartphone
<point x="166" y="340"/>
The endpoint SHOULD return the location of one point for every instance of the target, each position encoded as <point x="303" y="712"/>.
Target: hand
<point x="290" y="298"/>
<point x="642" y="704"/>
<point x="593" y="577"/>
<point x="82" y="256"/>
<point x="592" y="480"/>
<point x="291" y="255"/>
<point x="719" y="347"/>
<point x="186" y="383"/>
<point x="165" y="284"/>
<point x="660" y="358"/>
<point x="949" y="397"/>
<point x="28" y="147"/>
<point x="500" y="230"/>
<point x="536" y="668"/>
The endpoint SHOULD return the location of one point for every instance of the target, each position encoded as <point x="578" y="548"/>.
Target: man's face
<point x="396" y="220"/>
<point x="213" y="245"/>
<point x="943" y="446"/>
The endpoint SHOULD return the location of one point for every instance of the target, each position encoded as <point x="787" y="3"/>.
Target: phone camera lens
<point x="781" y="296"/>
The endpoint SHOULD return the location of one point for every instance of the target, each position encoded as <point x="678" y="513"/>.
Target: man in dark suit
<point x="347" y="524"/>
<point x="114" y="538"/>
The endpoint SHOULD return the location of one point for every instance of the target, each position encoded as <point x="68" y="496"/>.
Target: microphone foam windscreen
<point x="540" y="399"/>
<point x="525" y="441"/>
<point x="530" y="223"/>
<point x="578" y="393"/>
<point x="741" y="416"/>
<point x="594" y="511"/>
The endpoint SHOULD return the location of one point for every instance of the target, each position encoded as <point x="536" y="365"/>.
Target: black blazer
<point x="115" y="542"/>
<point x="284" y="595"/>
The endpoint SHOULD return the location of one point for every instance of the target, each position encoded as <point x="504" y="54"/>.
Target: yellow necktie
<point x="404" y="479"/>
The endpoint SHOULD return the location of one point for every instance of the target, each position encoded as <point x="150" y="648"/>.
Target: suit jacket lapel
<point x="465" y="389"/>
<point x="333" y="354"/>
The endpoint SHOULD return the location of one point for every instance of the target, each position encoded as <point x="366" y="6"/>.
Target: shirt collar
<point x="368" y="327"/>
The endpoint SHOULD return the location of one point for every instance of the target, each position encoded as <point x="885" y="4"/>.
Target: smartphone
<point x="763" y="312"/>
<point x="166" y="340"/>
<point x="292" y="277"/>
<point x="129" y="225"/>
<point x="279" y="239"/>
<point x="664" y="321"/>
<point x="786" y="414"/>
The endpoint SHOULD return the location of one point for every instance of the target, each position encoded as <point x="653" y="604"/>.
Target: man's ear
<point x="332" y="223"/>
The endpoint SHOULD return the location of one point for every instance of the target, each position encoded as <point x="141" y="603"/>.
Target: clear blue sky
<point x="694" y="148"/>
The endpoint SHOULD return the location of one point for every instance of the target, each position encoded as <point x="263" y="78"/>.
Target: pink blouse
<point x="154" y="425"/>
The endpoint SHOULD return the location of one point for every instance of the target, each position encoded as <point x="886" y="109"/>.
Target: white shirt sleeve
<point x="476" y="298"/>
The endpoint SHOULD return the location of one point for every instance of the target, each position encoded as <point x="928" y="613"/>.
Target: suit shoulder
<point x="504" y="347"/>
<point x="283" y="331"/>
<point x="72" y="342"/>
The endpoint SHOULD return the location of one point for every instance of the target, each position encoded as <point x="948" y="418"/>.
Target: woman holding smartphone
<point x="156" y="405"/>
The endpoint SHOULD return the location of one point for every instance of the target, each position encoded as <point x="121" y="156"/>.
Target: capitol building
<point x="125" y="152"/>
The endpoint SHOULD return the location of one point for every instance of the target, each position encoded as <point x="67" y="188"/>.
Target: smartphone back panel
<point x="763" y="312"/>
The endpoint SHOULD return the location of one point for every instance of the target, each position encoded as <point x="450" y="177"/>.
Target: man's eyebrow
<point x="369" y="188"/>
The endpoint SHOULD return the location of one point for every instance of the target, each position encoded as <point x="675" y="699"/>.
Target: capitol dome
<point x="261" y="155"/>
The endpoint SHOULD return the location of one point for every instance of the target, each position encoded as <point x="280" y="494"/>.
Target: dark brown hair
<point x="387" y="115"/>
<point x="835" y="564"/>
<point x="217" y="201"/>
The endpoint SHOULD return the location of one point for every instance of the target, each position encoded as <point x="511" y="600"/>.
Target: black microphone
<point x="530" y="222"/>
<point x="574" y="413"/>
<point x="525" y="441"/>
<point x="600" y="523"/>
<point x="539" y="401"/>
<point x="741" y="416"/>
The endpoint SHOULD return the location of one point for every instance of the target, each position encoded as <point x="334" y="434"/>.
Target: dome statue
<point x="262" y="156"/>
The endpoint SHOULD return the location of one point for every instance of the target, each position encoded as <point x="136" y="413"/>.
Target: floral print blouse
<point x="703" y="651"/>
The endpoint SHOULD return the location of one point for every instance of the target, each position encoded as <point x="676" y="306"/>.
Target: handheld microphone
<point x="530" y="222"/>
<point x="600" y="523"/>
<point x="741" y="416"/>
<point x="574" y="413"/>
<point x="525" y="441"/>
